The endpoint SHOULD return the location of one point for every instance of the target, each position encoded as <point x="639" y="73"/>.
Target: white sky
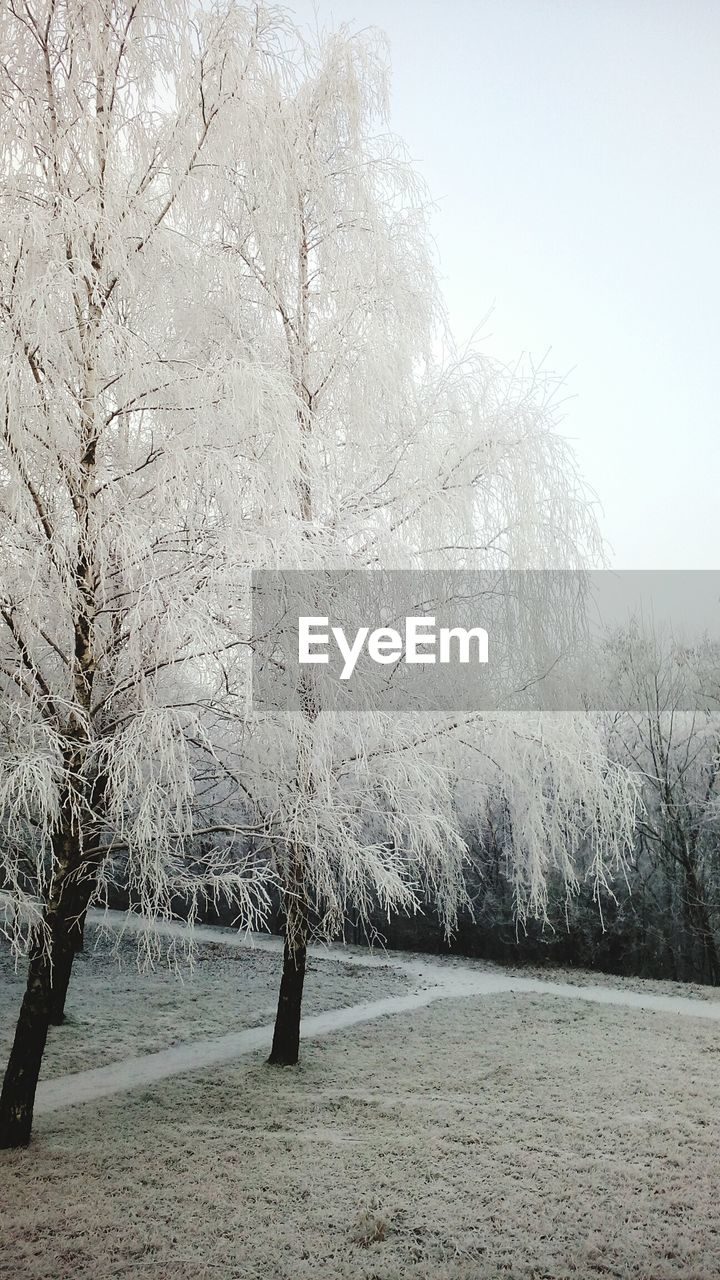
<point x="573" y="149"/>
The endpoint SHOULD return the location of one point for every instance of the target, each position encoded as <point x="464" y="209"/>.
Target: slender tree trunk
<point x="75" y="895"/>
<point x="18" y="1092"/>
<point x="43" y="1005"/>
<point x="286" y="1037"/>
<point x="61" y="973"/>
<point x="47" y="982"/>
<point x="65" y="953"/>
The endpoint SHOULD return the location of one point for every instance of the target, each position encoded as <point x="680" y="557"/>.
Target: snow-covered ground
<point x="455" y="1130"/>
<point x="115" y="1012"/>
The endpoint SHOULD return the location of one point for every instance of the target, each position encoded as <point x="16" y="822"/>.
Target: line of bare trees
<point x="659" y="917"/>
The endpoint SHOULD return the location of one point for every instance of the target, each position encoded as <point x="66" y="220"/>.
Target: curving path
<point x="431" y="981"/>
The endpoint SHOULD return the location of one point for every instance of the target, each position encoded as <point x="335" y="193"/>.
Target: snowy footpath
<point x="428" y="981"/>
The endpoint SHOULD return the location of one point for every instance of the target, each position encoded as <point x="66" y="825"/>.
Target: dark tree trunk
<point x="61" y="972"/>
<point x="47" y="982"/>
<point x="18" y="1092"/>
<point x="286" y="1037"/>
<point x="74" y="895"/>
<point x="62" y="969"/>
<point x="65" y="952"/>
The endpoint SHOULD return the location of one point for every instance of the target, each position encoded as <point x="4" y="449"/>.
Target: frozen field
<point x="472" y="1132"/>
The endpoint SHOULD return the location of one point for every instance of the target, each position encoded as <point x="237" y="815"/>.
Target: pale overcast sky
<point x="573" y="149"/>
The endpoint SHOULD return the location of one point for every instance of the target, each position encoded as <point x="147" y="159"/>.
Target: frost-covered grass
<point x="114" y="1011"/>
<point x="520" y="1136"/>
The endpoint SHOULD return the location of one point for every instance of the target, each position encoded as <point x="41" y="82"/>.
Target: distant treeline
<point x="656" y="922"/>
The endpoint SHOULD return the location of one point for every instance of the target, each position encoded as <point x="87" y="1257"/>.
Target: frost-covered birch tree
<point x="112" y="474"/>
<point x="224" y="348"/>
<point x="398" y="452"/>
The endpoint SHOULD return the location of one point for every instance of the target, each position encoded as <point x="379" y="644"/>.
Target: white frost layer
<point x="433" y="981"/>
<point x="516" y="1137"/>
